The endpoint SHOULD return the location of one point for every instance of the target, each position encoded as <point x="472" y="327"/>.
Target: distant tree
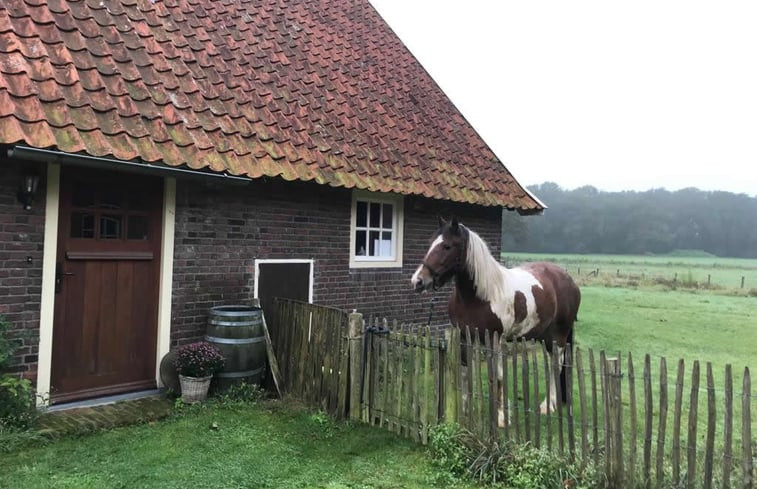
<point x="588" y="220"/>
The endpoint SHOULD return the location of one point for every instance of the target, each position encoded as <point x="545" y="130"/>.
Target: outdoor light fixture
<point x="28" y="190"/>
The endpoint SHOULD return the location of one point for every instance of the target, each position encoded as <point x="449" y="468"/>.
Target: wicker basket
<point x="194" y="389"/>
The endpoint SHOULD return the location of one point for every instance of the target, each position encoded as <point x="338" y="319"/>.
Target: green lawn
<point x="264" y="446"/>
<point x="634" y="270"/>
<point x="673" y="324"/>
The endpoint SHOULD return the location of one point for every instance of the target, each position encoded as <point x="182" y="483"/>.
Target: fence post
<point x="614" y="445"/>
<point x="355" y="349"/>
<point x="452" y="375"/>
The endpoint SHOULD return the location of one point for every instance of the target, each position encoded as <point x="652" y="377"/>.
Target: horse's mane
<point x="484" y="269"/>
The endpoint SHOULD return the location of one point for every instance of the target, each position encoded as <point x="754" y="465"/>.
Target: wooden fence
<point x="649" y="431"/>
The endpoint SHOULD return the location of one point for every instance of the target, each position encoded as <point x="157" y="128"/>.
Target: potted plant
<point x="196" y="363"/>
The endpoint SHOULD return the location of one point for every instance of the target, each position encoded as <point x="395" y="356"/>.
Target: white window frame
<point x="398" y="225"/>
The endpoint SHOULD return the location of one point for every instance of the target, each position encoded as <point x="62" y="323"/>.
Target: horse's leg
<point x="563" y="373"/>
<point x="500" y="408"/>
<point x="563" y="342"/>
<point x="549" y="404"/>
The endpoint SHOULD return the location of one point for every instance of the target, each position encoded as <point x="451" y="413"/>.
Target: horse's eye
<point x="447" y="247"/>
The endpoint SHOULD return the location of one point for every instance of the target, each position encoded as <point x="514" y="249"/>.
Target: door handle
<point x="59" y="274"/>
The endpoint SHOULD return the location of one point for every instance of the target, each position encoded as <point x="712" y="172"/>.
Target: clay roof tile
<point x="318" y="91"/>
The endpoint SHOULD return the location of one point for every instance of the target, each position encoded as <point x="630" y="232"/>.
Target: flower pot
<point x="194" y="389"/>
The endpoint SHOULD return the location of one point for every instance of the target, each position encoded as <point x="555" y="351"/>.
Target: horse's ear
<point x="454" y="225"/>
<point x="442" y="222"/>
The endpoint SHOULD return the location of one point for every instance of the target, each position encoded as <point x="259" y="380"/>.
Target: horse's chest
<point x="473" y="314"/>
<point x="511" y="318"/>
<point x="519" y="315"/>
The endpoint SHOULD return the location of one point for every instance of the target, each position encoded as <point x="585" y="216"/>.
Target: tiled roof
<point x="318" y="91"/>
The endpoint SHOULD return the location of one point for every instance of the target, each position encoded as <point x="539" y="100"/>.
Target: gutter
<point x="51" y="156"/>
<point x="539" y="212"/>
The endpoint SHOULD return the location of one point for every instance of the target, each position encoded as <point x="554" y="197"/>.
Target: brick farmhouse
<point x="161" y="157"/>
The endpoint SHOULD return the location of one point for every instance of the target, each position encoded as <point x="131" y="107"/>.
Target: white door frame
<point x="310" y="261"/>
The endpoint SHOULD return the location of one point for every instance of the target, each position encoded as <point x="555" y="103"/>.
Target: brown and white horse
<point x="536" y="300"/>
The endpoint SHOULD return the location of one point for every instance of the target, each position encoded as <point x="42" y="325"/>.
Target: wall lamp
<point x="28" y="189"/>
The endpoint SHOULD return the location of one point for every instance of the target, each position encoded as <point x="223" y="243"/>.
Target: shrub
<point x="242" y="393"/>
<point x="17" y="406"/>
<point x="459" y="454"/>
<point x="449" y="451"/>
<point x="7" y="347"/>
<point x="198" y="359"/>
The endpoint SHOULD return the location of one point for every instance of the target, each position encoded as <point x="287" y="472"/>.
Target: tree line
<point x="588" y="220"/>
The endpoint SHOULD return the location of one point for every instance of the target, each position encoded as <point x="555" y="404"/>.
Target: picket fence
<point x="408" y="379"/>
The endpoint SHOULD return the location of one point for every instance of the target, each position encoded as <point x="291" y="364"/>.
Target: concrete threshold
<point x="101" y="401"/>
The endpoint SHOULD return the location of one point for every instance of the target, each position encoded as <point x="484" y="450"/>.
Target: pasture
<point x="722" y="274"/>
<point x="623" y="313"/>
<point x="674" y="324"/>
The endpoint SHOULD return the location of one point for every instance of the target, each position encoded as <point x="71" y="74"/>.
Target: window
<point x="376" y="230"/>
<point x="103" y="212"/>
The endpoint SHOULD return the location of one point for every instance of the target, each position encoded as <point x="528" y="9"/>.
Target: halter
<point x="436" y="274"/>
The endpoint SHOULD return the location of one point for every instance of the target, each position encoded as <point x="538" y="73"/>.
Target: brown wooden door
<point x="287" y="280"/>
<point x="106" y="300"/>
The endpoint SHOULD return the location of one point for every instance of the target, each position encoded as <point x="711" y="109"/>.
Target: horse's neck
<point x="482" y="277"/>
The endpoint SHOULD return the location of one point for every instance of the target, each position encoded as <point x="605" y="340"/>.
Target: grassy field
<point x="267" y="446"/>
<point x="675" y="324"/>
<point x="670" y="324"/>
<point x="623" y="312"/>
<point x="722" y="274"/>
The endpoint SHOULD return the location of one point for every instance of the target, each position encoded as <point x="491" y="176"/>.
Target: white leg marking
<point x="549" y="404"/>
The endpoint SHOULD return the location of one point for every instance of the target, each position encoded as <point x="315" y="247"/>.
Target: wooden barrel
<point x="237" y="331"/>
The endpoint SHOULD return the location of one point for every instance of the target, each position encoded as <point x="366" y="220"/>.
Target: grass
<point x="690" y="325"/>
<point x="723" y="274"/>
<point x="674" y="320"/>
<point x="270" y="445"/>
<point x="673" y="324"/>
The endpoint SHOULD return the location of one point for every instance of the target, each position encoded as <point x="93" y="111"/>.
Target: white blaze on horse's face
<point x="422" y="279"/>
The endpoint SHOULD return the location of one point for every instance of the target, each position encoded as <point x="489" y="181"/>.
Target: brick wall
<point x="21" y="242"/>
<point x="220" y="231"/>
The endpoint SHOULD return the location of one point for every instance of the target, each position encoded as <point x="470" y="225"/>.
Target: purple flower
<point x="198" y="359"/>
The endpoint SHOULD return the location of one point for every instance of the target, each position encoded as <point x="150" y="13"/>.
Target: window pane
<point x="386" y="244"/>
<point x="375" y="215"/>
<point x="373" y="243"/>
<point x="110" y="198"/>
<point x="82" y="225"/>
<point x="360" y="243"/>
<point x="137" y="227"/>
<point x="362" y="214"/>
<point x="110" y="227"/>
<point x="84" y="196"/>
<point x="387" y="211"/>
<point x="138" y="202"/>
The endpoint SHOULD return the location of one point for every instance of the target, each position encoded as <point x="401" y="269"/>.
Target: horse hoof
<point x="546" y="409"/>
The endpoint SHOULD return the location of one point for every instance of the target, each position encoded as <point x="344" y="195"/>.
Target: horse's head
<point x="443" y="258"/>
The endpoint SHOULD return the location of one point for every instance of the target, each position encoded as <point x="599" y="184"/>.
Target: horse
<point x="534" y="301"/>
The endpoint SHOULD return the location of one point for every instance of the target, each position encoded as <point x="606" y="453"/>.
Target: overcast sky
<point x="623" y="96"/>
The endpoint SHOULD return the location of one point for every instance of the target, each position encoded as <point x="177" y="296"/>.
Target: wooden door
<point x="288" y="280"/>
<point x="106" y="294"/>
